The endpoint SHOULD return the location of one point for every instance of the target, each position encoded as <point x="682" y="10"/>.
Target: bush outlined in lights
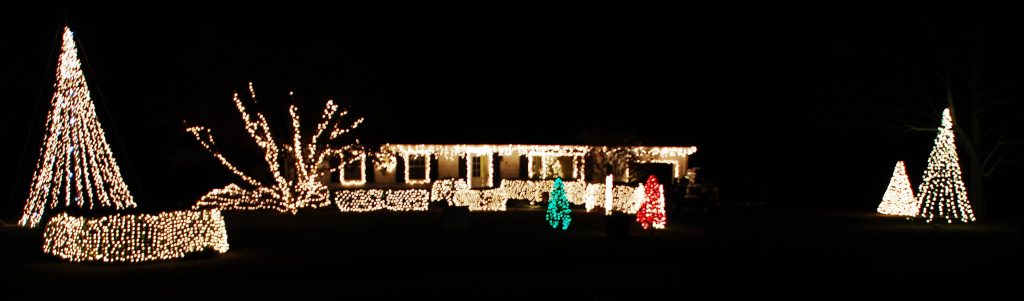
<point x="558" y="207"/>
<point x="135" y="237"/>
<point x="899" y="197"/>
<point x="652" y="211"/>
<point x="76" y="166"/>
<point x="942" y="192"/>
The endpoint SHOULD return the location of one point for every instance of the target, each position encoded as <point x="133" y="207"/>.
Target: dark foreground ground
<point x="513" y="254"/>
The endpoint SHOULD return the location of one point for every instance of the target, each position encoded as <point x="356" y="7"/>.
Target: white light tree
<point x="899" y="197"/>
<point x="943" y="195"/>
<point x="76" y="166"/>
<point x="284" y="193"/>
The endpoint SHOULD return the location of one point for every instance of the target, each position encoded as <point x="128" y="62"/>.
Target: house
<point x="486" y="165"/>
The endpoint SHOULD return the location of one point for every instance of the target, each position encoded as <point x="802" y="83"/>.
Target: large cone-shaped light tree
<point x="76" y="166"/>
<point x="943" y="196"/>
<point x="285" y="193"/>
<point x="899" y="197"/>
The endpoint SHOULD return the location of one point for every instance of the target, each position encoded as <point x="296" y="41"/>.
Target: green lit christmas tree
<point x="558" y="206"/>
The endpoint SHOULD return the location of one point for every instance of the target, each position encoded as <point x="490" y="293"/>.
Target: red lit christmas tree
<point x="652" y="211"/>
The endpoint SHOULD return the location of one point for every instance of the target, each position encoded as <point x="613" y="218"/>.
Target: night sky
<point x="793" y="105"/>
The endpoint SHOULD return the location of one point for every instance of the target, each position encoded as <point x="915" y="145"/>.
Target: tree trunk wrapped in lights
<point x="899" y="197"/>
<point x="76" y="166"/>
<point x="285" y="194"/>
<point x="652" y="211"/>
<point x="943" y="195"/>
<point x="558" y="207"/>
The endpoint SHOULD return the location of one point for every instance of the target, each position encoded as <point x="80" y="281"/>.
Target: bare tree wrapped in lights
<point x="285" y="194"/>
<point x="76" y="166"/>
<point x="942" y="192"/>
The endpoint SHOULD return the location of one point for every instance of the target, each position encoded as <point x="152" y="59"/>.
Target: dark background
<point x="791" y="104"/>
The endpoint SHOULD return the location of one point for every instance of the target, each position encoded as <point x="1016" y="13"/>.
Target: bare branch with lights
<point x="286" y="193"/>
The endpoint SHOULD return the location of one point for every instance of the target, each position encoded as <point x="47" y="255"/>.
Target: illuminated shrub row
<point x="135" y="237"/>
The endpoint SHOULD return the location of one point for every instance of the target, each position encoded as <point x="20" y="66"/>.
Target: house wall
<point x="383" y="177"/>
<point x="509" y="166"/>
<point x="447" y="167"/>
<point x="681" y="162"/>
<point x="683" y="165"/>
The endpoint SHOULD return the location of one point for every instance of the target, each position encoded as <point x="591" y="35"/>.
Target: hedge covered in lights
<point x="135" y="237"/>
<point x="456" y="192"/>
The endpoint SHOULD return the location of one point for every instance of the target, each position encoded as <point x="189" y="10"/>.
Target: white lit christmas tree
<point x="899" y="197"/>
<point x="75" y="167"/>
<point x="942" y="192"/>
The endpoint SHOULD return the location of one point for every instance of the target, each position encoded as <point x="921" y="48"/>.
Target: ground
<point x="327" y="253"/>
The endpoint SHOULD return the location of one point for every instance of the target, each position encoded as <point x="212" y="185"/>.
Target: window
<point x="417" y="167"/>
<point x="353" y="171"/>
<point x="477" y="162"/>
<point x="547" y="167"/>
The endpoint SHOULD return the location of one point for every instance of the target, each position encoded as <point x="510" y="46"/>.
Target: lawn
<point x="329" y="254"/>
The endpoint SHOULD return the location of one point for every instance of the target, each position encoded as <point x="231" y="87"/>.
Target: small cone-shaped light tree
<point x="942" y="192"/>
<point x="558" y="206"/>
<point x="652" y="211"/>
<point x="899" y="197"/>
<point x="76" y="166"/>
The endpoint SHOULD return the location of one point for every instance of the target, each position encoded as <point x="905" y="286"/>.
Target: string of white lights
<point x="608" y="194"/>
<point x="135" y="237"/>
<point x="453" y="151"/>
